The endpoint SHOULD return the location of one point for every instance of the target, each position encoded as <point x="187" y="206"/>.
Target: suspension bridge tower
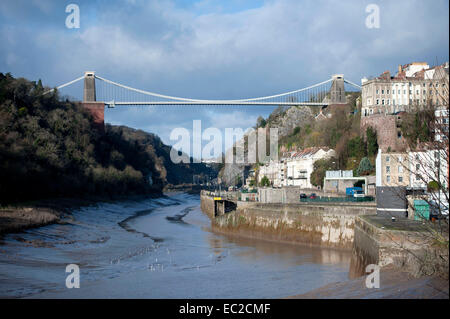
<point x="97" y="109"/>
<point x="337" y="91"/>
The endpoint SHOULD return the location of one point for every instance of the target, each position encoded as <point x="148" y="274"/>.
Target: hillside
<point x="298" y="128"/>
<point x="51" y="148"/>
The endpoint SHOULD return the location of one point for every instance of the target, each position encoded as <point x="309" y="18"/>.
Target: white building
<point x="442" y="124"/>
<point x="415" y="84"/>
<point x="300" y="165"/>
<point x="271" y="171"/>
<point x="426" y="166"/>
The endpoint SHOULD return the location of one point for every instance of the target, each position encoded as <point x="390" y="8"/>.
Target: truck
<point x="354" y="192"/>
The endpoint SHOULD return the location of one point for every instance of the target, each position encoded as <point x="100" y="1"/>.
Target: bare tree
<point x="426" y="164"/>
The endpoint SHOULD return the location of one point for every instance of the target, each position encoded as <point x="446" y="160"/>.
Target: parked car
<point x="303" y="196"/>
<point x="313" y="196"/>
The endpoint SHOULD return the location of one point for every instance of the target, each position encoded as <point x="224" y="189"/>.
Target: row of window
<point x="388" y="179"/>
<point x="400" y="169"/>
<point x="410" y="85"/>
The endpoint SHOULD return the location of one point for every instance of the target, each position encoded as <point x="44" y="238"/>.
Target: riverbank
<point x="158" y="248"/>
<point x="14" y="220"/>
<point x="394" y="284"/>
<point x="17" y="217"/>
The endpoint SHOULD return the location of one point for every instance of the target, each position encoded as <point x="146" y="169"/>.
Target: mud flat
<point x="394" y="284"/>
<point x="18" y="219"/>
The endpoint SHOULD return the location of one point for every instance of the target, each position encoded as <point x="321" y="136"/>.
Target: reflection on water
<point x="159" y="248"/>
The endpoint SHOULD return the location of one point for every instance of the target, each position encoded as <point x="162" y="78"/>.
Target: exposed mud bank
<point x="19" y="219"/>
<point x="394" y="284"/>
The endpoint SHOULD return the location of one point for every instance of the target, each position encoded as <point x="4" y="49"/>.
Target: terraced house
<point x="415" y="85"/>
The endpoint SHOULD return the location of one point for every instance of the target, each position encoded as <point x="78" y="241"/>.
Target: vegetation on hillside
<point x="50" y="148"/>
<point x="339" y="131"/>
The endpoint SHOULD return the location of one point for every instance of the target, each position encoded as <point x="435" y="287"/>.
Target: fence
<point x="323" y="199"/>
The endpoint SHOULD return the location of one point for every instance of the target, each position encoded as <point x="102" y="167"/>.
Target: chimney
<point x="400" y="68"/>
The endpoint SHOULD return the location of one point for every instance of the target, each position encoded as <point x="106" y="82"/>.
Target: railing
<point x="224" y="195"/>
<point x="323" y="199"/>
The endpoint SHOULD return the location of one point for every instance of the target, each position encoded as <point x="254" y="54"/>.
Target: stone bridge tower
<point x="97" y="109"/>
<point x="337" y="91"/>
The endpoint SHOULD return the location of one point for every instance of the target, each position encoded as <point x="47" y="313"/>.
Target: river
<point x="158" y="248"/>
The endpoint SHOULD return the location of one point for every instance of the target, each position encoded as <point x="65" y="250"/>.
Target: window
<point x="417" y="177"/>
<point x="400" y="169"/>
<point x="388" y="101"/>
<point x="400" y="179"/>
<point x="388" y="179"/>
<point x="382" y="102"/>
<point x="417" y="92"/>
<point x="399" y="91"/>
<point x="400" y="159"/>
<point x="378" y="91"/>
<point x="387" y="92"/>
<point x="382" y="91"/>
<point x="388" y="159"/>
<point x="388" y="169"/>
<point x="417" y="167"/>
<point x="424" y="91"/>
<point x="378" y="101"/>
<point x="404" y="91"/>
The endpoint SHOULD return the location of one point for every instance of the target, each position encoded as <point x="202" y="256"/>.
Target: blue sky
<point x="216" y="49"/>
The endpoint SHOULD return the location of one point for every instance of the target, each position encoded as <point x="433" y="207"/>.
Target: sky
<point x="211" y="49"/>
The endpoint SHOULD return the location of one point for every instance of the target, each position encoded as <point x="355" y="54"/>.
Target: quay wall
<point x="311" y="224"/>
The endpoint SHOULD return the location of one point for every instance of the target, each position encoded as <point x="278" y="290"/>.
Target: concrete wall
<point x="316" y="225"/>
<point x="207" y="205"/>
<point x="287" y="195"/>
<point x="375" y="245"/>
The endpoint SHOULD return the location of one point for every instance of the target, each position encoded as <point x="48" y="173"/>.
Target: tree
<point x="365" y="167"/>
<point x="265" y="182"/>
<point x="260" y="122"/>
<point x="425" y="128"/>
<point x="372" y="143"/>
<point x="320" y="168"/>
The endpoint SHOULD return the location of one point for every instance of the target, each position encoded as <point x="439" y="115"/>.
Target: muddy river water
<point x="158" y="248"/>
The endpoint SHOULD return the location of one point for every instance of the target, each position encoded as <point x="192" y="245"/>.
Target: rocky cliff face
<point x="284" y="120"/>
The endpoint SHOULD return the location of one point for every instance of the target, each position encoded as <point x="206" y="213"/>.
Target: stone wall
<point x="287" y="195"/>
<point x="315" y="225"/>
<point x="207" y="205"/>
<point x="376" y="245"/>
<point x="386" y="127"/>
